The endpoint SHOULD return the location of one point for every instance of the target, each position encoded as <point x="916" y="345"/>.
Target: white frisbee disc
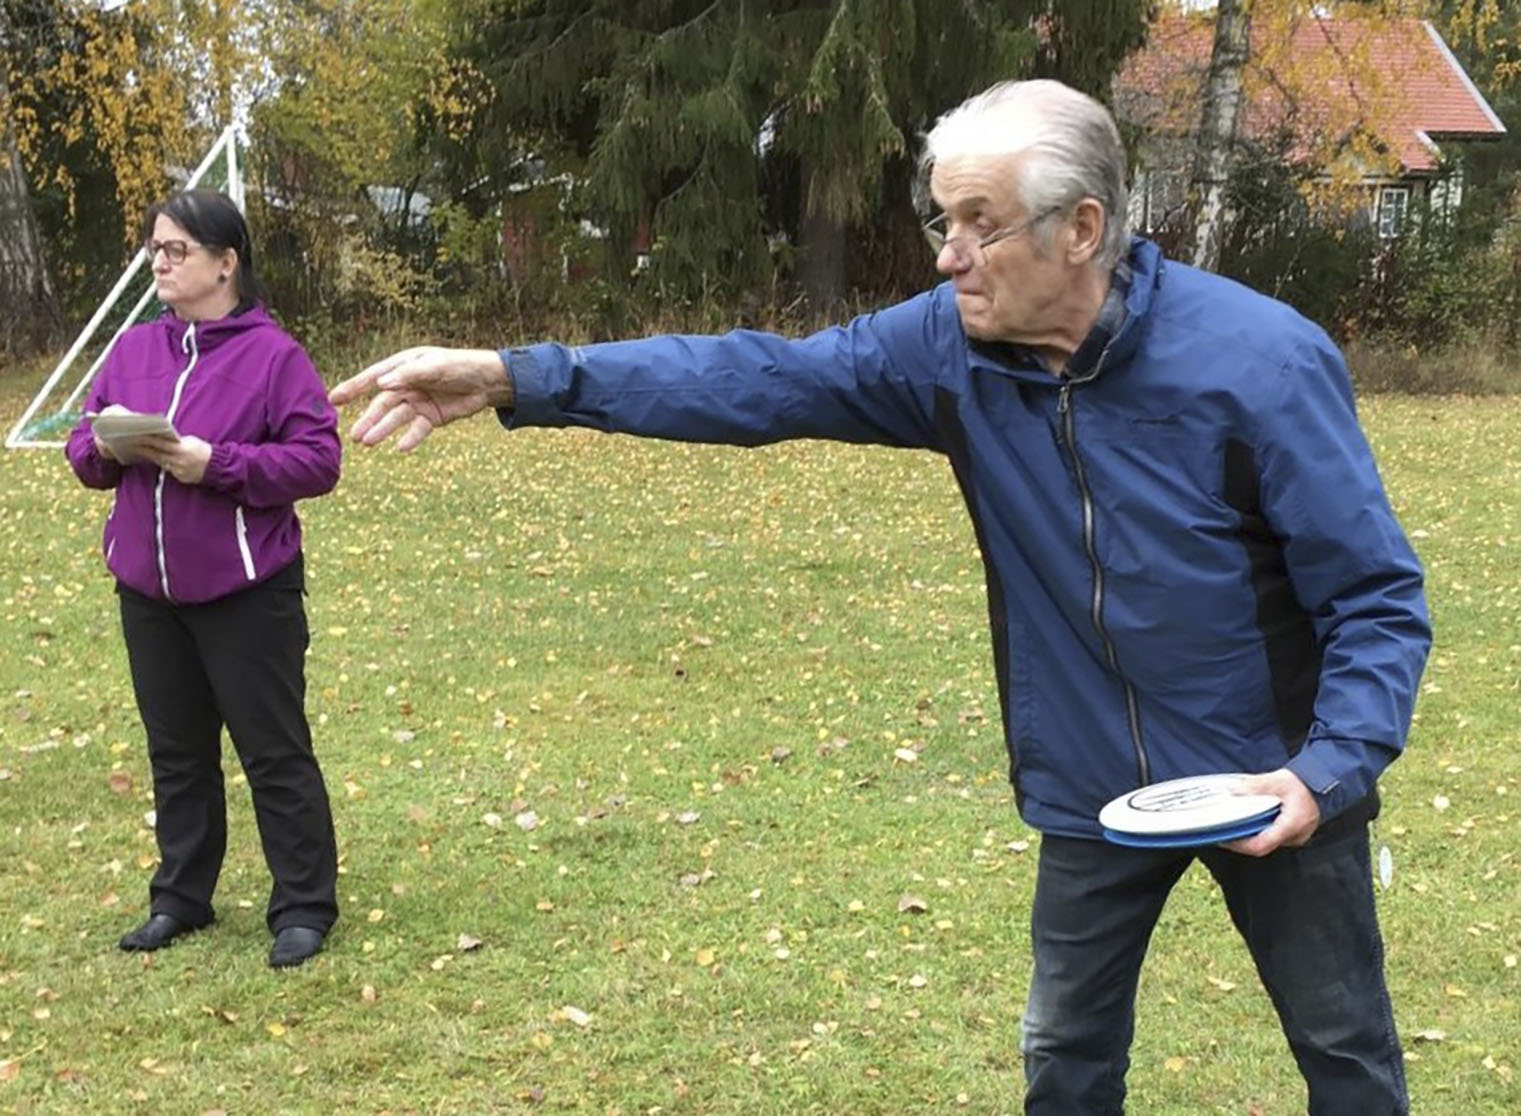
<point x="1197" y="804"/>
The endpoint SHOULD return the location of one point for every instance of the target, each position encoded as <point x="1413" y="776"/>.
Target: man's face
<point x="1008" y="290"/>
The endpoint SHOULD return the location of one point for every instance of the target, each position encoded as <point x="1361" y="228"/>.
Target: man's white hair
<point x="1066" y="144"/>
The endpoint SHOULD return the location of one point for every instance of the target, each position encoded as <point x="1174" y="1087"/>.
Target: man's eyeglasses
<point x="972" y="251"/>
<point x="174" y="251"/>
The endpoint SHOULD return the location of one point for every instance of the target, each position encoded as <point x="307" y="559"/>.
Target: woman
<point x="205" y="546"/>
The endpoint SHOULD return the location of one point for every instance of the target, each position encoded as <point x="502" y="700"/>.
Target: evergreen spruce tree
<point x="726" y="127"/>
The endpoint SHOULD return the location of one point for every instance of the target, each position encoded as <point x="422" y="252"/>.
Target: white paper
<point x="121" y="430"/>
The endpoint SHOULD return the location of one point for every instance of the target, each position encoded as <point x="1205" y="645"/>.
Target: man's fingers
<point x="1296" y="822"/>
<point x="381" y="406"/>
<point x="414" y="391"/>
<point x="364" y="382"/>
<point x="420" y="428"/>
<point x="387" y="413"/>
<point x="1259" y="844"/>
<point x="354" y="387"/>
<point x="1255" y="784"/>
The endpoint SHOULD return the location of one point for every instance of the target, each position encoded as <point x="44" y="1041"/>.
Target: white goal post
<point x="45" y="427"/>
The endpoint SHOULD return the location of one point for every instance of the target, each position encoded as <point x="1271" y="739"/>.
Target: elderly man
<point x="1191" y="563"/>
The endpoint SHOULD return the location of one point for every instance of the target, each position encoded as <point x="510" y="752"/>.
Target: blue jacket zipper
<point x="1069" y="434"/>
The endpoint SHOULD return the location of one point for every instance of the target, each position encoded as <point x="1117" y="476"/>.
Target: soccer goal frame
<point x="42" y="431"/>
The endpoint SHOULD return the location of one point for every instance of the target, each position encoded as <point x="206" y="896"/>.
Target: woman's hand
<point x="184" y="458"/>
<point x="101" y="447"/>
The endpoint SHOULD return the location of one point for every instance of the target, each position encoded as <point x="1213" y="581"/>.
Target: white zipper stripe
<point x="248" y="566"/>
<point x="188" y="345"/>
<point x="158" y="535"/>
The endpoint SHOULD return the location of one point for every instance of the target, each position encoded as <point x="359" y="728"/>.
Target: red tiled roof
<point x="1394" y="77"/>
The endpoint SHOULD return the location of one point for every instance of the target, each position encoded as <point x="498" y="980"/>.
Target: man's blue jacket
<point x="1191" y="563"/>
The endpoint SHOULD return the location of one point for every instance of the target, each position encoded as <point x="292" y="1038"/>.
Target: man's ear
<point x="1085" y="232"/>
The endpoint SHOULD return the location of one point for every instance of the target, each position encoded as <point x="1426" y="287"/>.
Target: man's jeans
<point x="1307" y="915"/>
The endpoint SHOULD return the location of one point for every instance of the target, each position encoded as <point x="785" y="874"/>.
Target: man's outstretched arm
<point x="872" y="380"/>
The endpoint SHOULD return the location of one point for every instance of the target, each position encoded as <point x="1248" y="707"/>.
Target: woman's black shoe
<point x="293" y="945"/>
<point x="156" y="933"/>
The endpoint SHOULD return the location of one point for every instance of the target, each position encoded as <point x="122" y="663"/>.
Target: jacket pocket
<point x="243" y="549"/>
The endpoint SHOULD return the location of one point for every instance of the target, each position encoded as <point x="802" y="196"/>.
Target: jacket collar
<point x="209" y="334"/>
<point x="1113" y="338"/>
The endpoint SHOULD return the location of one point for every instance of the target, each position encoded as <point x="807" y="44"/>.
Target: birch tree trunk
<point x="30" y="319"/>
<point x="1218" y="122"/>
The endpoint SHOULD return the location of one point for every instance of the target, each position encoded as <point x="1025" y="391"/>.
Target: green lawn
<point x="675" y="733"/>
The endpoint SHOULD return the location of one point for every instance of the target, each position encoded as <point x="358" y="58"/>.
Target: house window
<point x="1393" y="204"/>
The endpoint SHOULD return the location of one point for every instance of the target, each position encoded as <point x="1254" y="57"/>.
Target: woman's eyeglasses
<point x="174" y="251"/>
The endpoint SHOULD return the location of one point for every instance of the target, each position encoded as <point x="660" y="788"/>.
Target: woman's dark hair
<point x="211" y="217"/>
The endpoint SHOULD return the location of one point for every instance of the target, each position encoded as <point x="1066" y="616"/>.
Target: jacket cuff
<point x="531" y="403"/>
<point x="1313" y="770"/>
<point x="107" y="472"/>
<point x="221" y="471"/>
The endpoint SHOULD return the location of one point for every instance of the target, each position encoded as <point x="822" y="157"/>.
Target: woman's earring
<point x="221" y="278"/>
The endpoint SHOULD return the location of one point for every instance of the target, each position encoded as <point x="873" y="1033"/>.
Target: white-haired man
<point x="1191" y="563"/>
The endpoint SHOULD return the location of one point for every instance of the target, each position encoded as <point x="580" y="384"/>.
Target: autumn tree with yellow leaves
<point x="86" y="95"/>
<point x="107" y="105"/>
<point x="1329" y="105"/>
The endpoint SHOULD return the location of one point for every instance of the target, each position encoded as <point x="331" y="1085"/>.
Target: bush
<point x="1483" y="366"/>
<point x="1450" y="284"/>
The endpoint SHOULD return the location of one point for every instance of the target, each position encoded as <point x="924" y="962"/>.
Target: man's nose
<point x="948" y="261"/>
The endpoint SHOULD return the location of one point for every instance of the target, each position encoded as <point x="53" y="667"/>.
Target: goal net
<point x="56" y="409"/>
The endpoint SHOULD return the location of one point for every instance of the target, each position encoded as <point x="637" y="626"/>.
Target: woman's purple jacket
<point x="246" y="387"/>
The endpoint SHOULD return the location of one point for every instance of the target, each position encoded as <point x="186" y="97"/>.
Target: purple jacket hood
<point x="242" y="384"/>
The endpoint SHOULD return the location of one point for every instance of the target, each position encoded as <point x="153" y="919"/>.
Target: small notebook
<point x="121" y="430"/>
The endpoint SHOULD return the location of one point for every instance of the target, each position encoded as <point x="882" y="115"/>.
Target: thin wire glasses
<point x="971" y="250"/>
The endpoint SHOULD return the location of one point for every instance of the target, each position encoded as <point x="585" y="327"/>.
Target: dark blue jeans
<point x="1307" y="916"/>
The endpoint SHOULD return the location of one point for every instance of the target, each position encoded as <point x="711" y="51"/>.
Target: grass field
<point x="638" y="754"/>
